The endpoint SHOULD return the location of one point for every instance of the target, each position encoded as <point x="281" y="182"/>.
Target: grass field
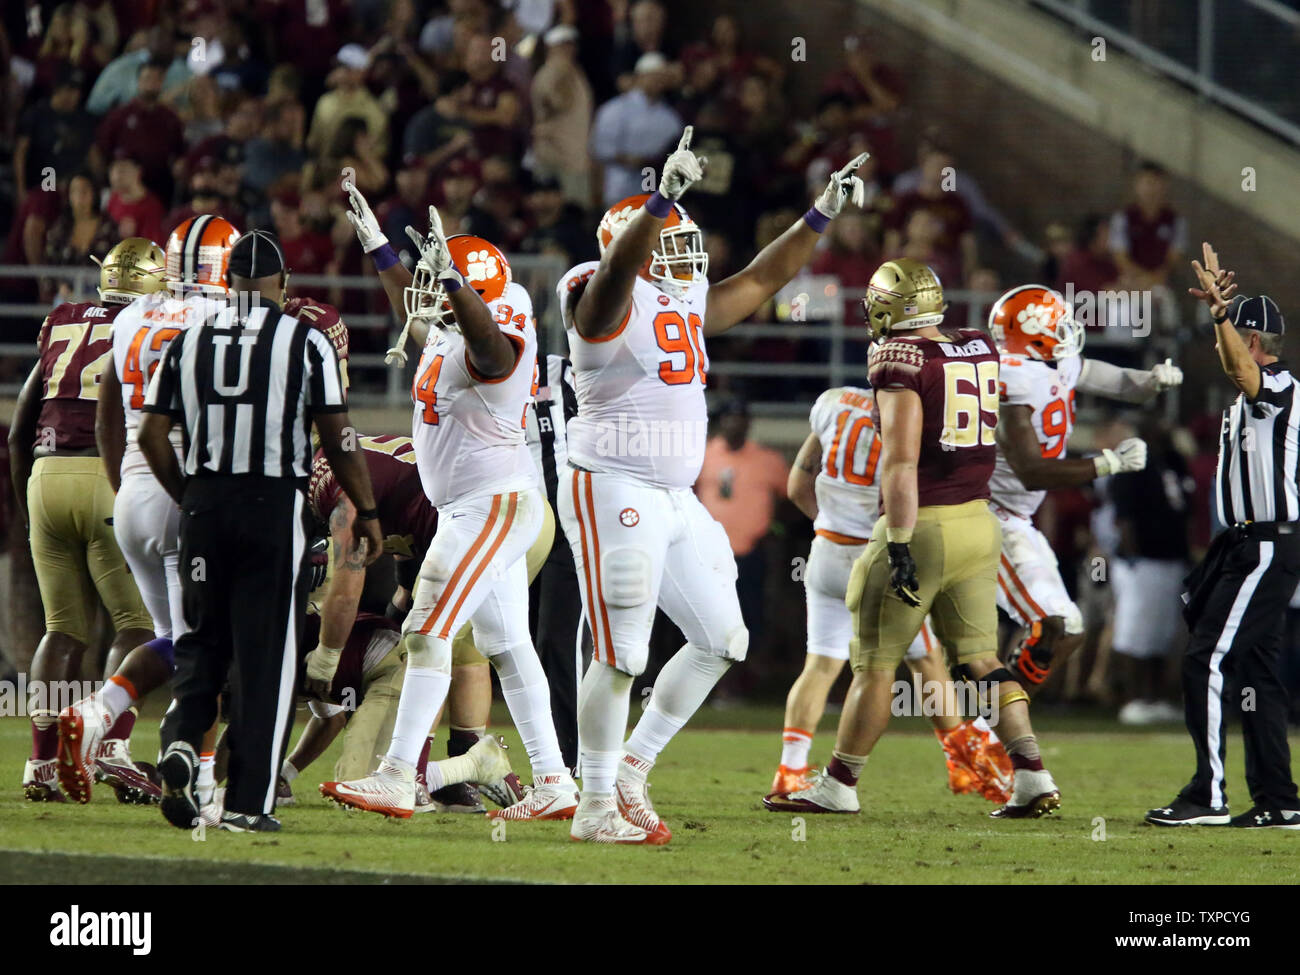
<point x="707" y="787"/>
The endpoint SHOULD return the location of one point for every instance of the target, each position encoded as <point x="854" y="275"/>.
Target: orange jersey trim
<point x="840" y="539"/>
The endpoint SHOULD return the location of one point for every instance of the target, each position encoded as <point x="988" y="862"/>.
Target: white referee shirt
<point x="1258" y="453"/>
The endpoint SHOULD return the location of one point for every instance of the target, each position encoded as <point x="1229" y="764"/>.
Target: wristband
<point x="659" y="205"/>
<point x="900" y="536"/>
<point x="451" y="284"/>
<point x="384" y="257"/>
<point x="817" y="220"/>
<point x="370" y="514"/>
<point x="1221" y="321"/>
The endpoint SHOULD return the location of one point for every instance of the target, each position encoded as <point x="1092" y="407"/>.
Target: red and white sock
<point x="207" y="781"/>
<point x="795" y="746"/>
<point x="117" y="695"/>
<point x="45" y="735"/>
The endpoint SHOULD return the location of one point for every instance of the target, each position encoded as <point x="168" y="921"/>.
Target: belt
<point x="1266" y="529"/>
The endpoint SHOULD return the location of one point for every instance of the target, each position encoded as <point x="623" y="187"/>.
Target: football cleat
<point x="389" y="790"/>
<point x="1181" y="812"/>
<point x="41" y="781"/>
<point x="131" y="782"/>
<point x="284" y="793"/>
<point x="600" y="822"/>
<point x="1034" y="794"/>
<point x="461" y="798"/>
<point x="491" y="762"/>
<point x="179" y="769"/>
<point x="827" y="794"/>
<point x="243" y="823"/>
<point x="1267" y="817"/>
<point x="82" y="727"/>
<point x="549" y="797"/>
<point x="789" y="780"/>
<point x="632" y="796"/>
<point x="505" y="791"/>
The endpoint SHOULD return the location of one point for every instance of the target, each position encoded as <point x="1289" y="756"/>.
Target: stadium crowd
<point x="521" y="121"/>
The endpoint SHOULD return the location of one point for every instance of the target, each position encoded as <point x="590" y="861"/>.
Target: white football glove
<point x="843" y="184"/>
<point x="433" y="250"/>
<point x="363" y="219"/>
<point x="322" y="663"/>
<point x="1166" y="375"/>
<point x="1128" y="455"/>
<point x="682" y="168"/>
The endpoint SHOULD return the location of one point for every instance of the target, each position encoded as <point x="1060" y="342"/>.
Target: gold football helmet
<point x="134" y="267"/>
<point x="903" y="294"/>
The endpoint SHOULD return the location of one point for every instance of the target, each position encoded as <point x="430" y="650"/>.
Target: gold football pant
<point x="74" y="549"/>
<point x="370" y="729"/>
<point x="956" y="549"/>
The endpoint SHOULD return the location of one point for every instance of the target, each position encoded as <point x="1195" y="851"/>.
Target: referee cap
<point x="256" y="254"/>
<point x="1259" y="314"/>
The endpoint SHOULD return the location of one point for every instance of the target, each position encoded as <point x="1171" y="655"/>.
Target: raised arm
<point x="1216" y="287"/>
<point x="393" y="274"/>
<point x="801" y="484"/>
<point x="604" y="303"/>
<point x="736" y="298"/>
<point x="110" y="426"/>
<point x="1128" y="385"/>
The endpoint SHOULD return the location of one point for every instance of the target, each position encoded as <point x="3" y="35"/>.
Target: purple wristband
<point x="384" y="257"/>
<point x="817" y="220"/>
<point x="659" y="206"/>
<point x="451" y="284"/>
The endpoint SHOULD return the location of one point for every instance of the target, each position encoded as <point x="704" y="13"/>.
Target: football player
<point x="935" y="549"/>
<point x="476" y="375"/>
<point x="146" y="520"/>
<point x="65" y="498"/>
<point x="1041" y="369"/>
<point x="637" y="323"/>
<point x="833" y="481"/>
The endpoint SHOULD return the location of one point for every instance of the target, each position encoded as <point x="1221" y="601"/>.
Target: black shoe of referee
<point x="1181" y="812"/>
<point x="179" y="769"/>
<point x="1267" y="817"/>
<point x="234" y="822"/>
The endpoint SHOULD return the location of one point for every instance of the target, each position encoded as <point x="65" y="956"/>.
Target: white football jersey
<point x="848" y="494"/>
<point x="468" y="432"/>
<point x="1049" y="392"/>
<point x="141" y="334"/>
<point x="641" y="405"/>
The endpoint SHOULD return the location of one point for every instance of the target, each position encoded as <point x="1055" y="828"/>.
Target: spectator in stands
<point x="562" y="105"/>
<point x="852" y="256"/>
<point x="134" y="209"/>
<point x="501" y="198"/>
<point x="740" y="483"/>
<point x="455" y="200"/>
<point x="347" y="97"/>
<point x="407" y="207"/>
<point x="1060" y="244"/>
<point x="558" y="226"/>
<point x="79" y="233"/>
<point x="1148" y="237"/>
<point x="201" y="113"/>
<point x="951" y="238"/>
<point x="1090" y="268"/>
<point x="716" y="68"/>
<point x="310" y="32"/>
<point x="1152" y="511"/>
<point x="306" y="251"/>
<point x="278" y="151"/>
<point x="632" y="131"/>
<point x="352" y="148"/>
<point x="72" y="40"/>
<point x="145" y="130"/>
<point x="438" y="36"/>
<point x="642" y="33"/>
<point x="874" y="93"/>
<point x="117" y="83"/>
<point x="486" y="102"/>
<point x="203" y="195"/>
<point x="55" y="135"/>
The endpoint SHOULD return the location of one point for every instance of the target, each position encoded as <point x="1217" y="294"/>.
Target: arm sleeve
<point x="164" y="394"/>
<point x="1114" y="382"/>
<point x="324" y="384"/>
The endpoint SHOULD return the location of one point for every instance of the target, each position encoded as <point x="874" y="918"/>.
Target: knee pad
<point x="429" y="652"/>
<point x="625" y="577"/>
<point x="736" y="645"/>
<point x="998" y="680"/>
<point x="165" y="650"/>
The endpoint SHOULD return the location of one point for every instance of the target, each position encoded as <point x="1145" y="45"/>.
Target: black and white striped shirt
<point x="545" y="422"/>
<point x="1259" y="446"/>
<point x="245" y="389"/>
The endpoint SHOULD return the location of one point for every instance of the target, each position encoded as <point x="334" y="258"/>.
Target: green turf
<point x="707" y="787"/>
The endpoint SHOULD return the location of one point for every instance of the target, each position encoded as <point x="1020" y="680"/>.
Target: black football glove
<point x="320" y="562"/>
<point x="902" y="574"/>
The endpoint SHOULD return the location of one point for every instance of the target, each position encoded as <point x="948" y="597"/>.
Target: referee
<point x="246" y="387"/>
<point x="1237" y="598"/>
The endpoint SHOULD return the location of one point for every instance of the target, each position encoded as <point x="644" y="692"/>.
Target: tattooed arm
<point x="803" y="476"/>
<point x="338" y="609"/>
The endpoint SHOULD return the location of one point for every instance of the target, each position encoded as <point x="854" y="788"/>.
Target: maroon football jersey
<point x="405" y="515"/>
<point x="348" y="685"/>
<point x="327" y="320"/>
<point x="957" y="380"/>
<point x="75" y="346"/>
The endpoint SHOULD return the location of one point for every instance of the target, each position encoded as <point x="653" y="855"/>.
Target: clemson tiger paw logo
<point x="481" y="266"/>
<point x="1035" y="319"/>
<point x="629" y="517"/>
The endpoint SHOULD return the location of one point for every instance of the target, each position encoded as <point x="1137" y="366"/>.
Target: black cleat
<point x="1182" y="812"/>
<point x="179" y="769"/>
<point x="1267" y="817"/>
<point x="244" y="823"/>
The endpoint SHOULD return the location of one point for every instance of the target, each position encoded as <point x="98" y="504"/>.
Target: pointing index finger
<point x="854" y="163"/>
<point x="685" y="141"/>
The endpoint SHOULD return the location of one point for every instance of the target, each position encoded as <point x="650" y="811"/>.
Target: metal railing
<point x="1238" y="53"/>
<point x="814" y="355"/>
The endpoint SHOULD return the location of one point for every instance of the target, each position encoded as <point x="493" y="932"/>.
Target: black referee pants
<point x="1237" y="638"/>
<point x="245" y="575"/>
<point x="555" y="618"/>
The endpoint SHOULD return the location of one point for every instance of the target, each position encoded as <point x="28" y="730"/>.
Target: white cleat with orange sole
<point x="549" y="797"/>
<point x="598" y="821"/>
<point x="634" y="806"/>
<point x="82" y="727"/>
<point x="389" y="790"/>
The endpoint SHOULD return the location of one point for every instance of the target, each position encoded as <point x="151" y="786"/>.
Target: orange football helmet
<point x="198" y="255"/>
<point x="679" y="262"/>
<point x="1035" y="322"/>
<point x="480" y="262"/>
